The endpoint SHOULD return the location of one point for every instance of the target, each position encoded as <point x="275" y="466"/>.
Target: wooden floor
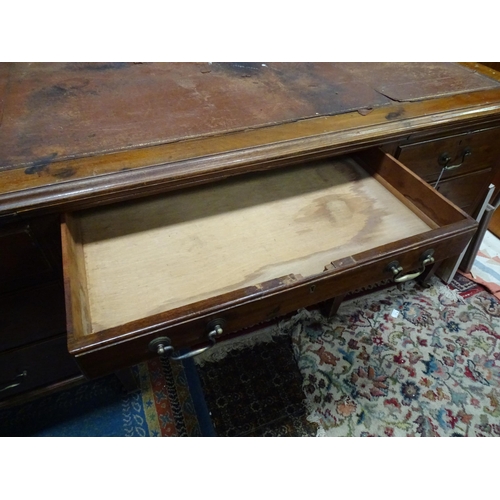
<point x="156" y="254"/>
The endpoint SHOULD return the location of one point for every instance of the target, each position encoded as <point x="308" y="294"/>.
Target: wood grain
<point x="422" y="157"/>
<point x="408" y="187"/>
<point x="145" y="257"/>
<point x="65" y="110"/>
<point x="111" y="177"/>
<point x="76" y="291"/>
<point x="63" y="166"/>
<point x="127" y="344"/>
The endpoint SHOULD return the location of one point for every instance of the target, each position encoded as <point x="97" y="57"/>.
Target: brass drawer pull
<point x="163" y="345"/>
<point x="396" y="268"/>
<point x="445" y="158"/>
<point x="13" y="384"/>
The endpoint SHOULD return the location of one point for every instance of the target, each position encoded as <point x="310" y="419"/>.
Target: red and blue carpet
<point x="405" y="361"/>
<point x="169" y="403"/>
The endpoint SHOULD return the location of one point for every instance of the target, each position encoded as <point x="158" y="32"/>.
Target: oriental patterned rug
<point x="486" y="267"/>
<point x="169" y="403"/>
<point x="253" y="388"/>
<point x="402" y="361"/>
<point x="398" y="361"/>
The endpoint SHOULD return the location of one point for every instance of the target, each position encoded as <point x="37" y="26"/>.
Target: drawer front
<point x="427" y="158"/>
<point x="237" y="315"/>
<point x="466" y="191"/>
<point x="31" y="253"/>
<point x="31" y="314"/>
<point x="35" y="366"/>
<point x="22" y="259"/>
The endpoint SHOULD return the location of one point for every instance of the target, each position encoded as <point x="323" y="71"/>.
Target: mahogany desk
<point x="150" y="207"/>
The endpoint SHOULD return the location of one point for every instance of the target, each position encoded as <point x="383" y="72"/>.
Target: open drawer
<point x="184" y="268"/>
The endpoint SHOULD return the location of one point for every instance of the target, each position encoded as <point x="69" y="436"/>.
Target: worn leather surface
<point x="51" y="111"/>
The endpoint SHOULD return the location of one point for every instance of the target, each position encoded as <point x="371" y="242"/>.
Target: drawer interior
<point x="137" y="259"/>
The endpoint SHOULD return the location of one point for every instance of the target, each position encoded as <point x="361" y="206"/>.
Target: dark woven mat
<point x="257" y="391"/>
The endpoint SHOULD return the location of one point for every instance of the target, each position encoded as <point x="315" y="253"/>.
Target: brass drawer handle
<point x="396" y="268"/>
<point x="13" y="384"/>
<point x="445" y="158"/>
<point x="163" y="345"/>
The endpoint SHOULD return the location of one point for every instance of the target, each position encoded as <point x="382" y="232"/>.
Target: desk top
<point x="74" y="131"/>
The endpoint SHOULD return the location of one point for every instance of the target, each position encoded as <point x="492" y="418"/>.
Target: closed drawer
<point x="466" y="191"/>
<point x="473" y="151"/>
<point x="244" y="251"/>
<point x="23" y="261"/>
<point x="31" y="314"/>
<point x="38" y="365"/>
<point x="30" y="253"/>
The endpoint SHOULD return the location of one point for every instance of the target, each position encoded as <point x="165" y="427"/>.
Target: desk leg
<point x="425" y="277"/>
<point x="127" y="379"/>
<point x="330" y="307"/>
